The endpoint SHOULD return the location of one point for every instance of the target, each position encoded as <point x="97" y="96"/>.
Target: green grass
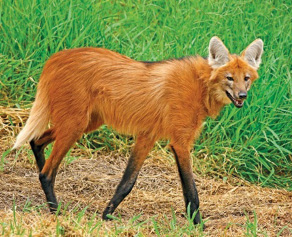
<point x="79" y="222"/>
<point x="254" y="143"/>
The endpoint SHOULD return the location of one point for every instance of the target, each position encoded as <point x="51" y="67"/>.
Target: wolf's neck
<point x="212" y="104"/>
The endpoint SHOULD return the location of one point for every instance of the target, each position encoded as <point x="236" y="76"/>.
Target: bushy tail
<point x="37" y="122"/>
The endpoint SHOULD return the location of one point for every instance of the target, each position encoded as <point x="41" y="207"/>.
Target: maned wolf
<point x="81" y="89"/>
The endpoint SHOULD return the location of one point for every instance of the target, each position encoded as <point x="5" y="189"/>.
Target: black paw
<point x="107" y="212"/>
<point x="48" y="188"/>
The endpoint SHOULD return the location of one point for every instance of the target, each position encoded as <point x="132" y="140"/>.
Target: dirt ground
<point x="92" y="181"/>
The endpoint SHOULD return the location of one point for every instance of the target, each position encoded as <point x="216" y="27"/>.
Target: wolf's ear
<point x="253" y="53"/>
<point x="218" y="53"/>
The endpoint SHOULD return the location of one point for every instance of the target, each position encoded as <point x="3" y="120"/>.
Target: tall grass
<point x="254" y="143"/>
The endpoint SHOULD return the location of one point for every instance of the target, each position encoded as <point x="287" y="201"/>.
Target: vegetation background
<point x="253" y="143"/>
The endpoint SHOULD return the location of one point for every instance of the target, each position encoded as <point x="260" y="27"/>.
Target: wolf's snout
<point x="242" y="95"/>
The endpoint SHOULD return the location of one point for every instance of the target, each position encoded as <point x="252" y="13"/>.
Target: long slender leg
<point x="141" y="149"/>
<point x="190" y="192"/>
<point x="66" y="136"/>
<point x="39" y="145"/>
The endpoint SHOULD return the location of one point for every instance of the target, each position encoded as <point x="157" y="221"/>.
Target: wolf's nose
<point x="242" y="95"/>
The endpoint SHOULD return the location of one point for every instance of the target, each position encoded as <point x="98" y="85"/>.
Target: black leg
<point x="188" y="183"/>
<point x="48" y="187"/>
<point x="136" y="160"/>
<point x="124" y="187"/>
<point x="38" y="152"/>
<point x="47" y="183"/>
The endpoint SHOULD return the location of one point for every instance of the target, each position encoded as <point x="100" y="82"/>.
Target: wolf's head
<point x="232" y="75"/>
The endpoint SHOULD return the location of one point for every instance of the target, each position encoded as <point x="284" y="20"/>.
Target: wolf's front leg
<point x="190" y="192"/>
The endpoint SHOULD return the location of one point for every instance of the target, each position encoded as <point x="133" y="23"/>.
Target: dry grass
<point x="90" y="181"/>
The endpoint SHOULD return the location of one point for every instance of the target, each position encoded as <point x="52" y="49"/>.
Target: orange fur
<point x="87" y="87"/>
<point x="81" y="89"/>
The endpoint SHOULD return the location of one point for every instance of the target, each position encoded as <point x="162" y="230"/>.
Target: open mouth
<point x="237" y="103"/>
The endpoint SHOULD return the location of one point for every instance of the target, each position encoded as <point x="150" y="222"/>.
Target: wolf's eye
<point x="229" y="78"/>
<point x="246" y="78"/>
